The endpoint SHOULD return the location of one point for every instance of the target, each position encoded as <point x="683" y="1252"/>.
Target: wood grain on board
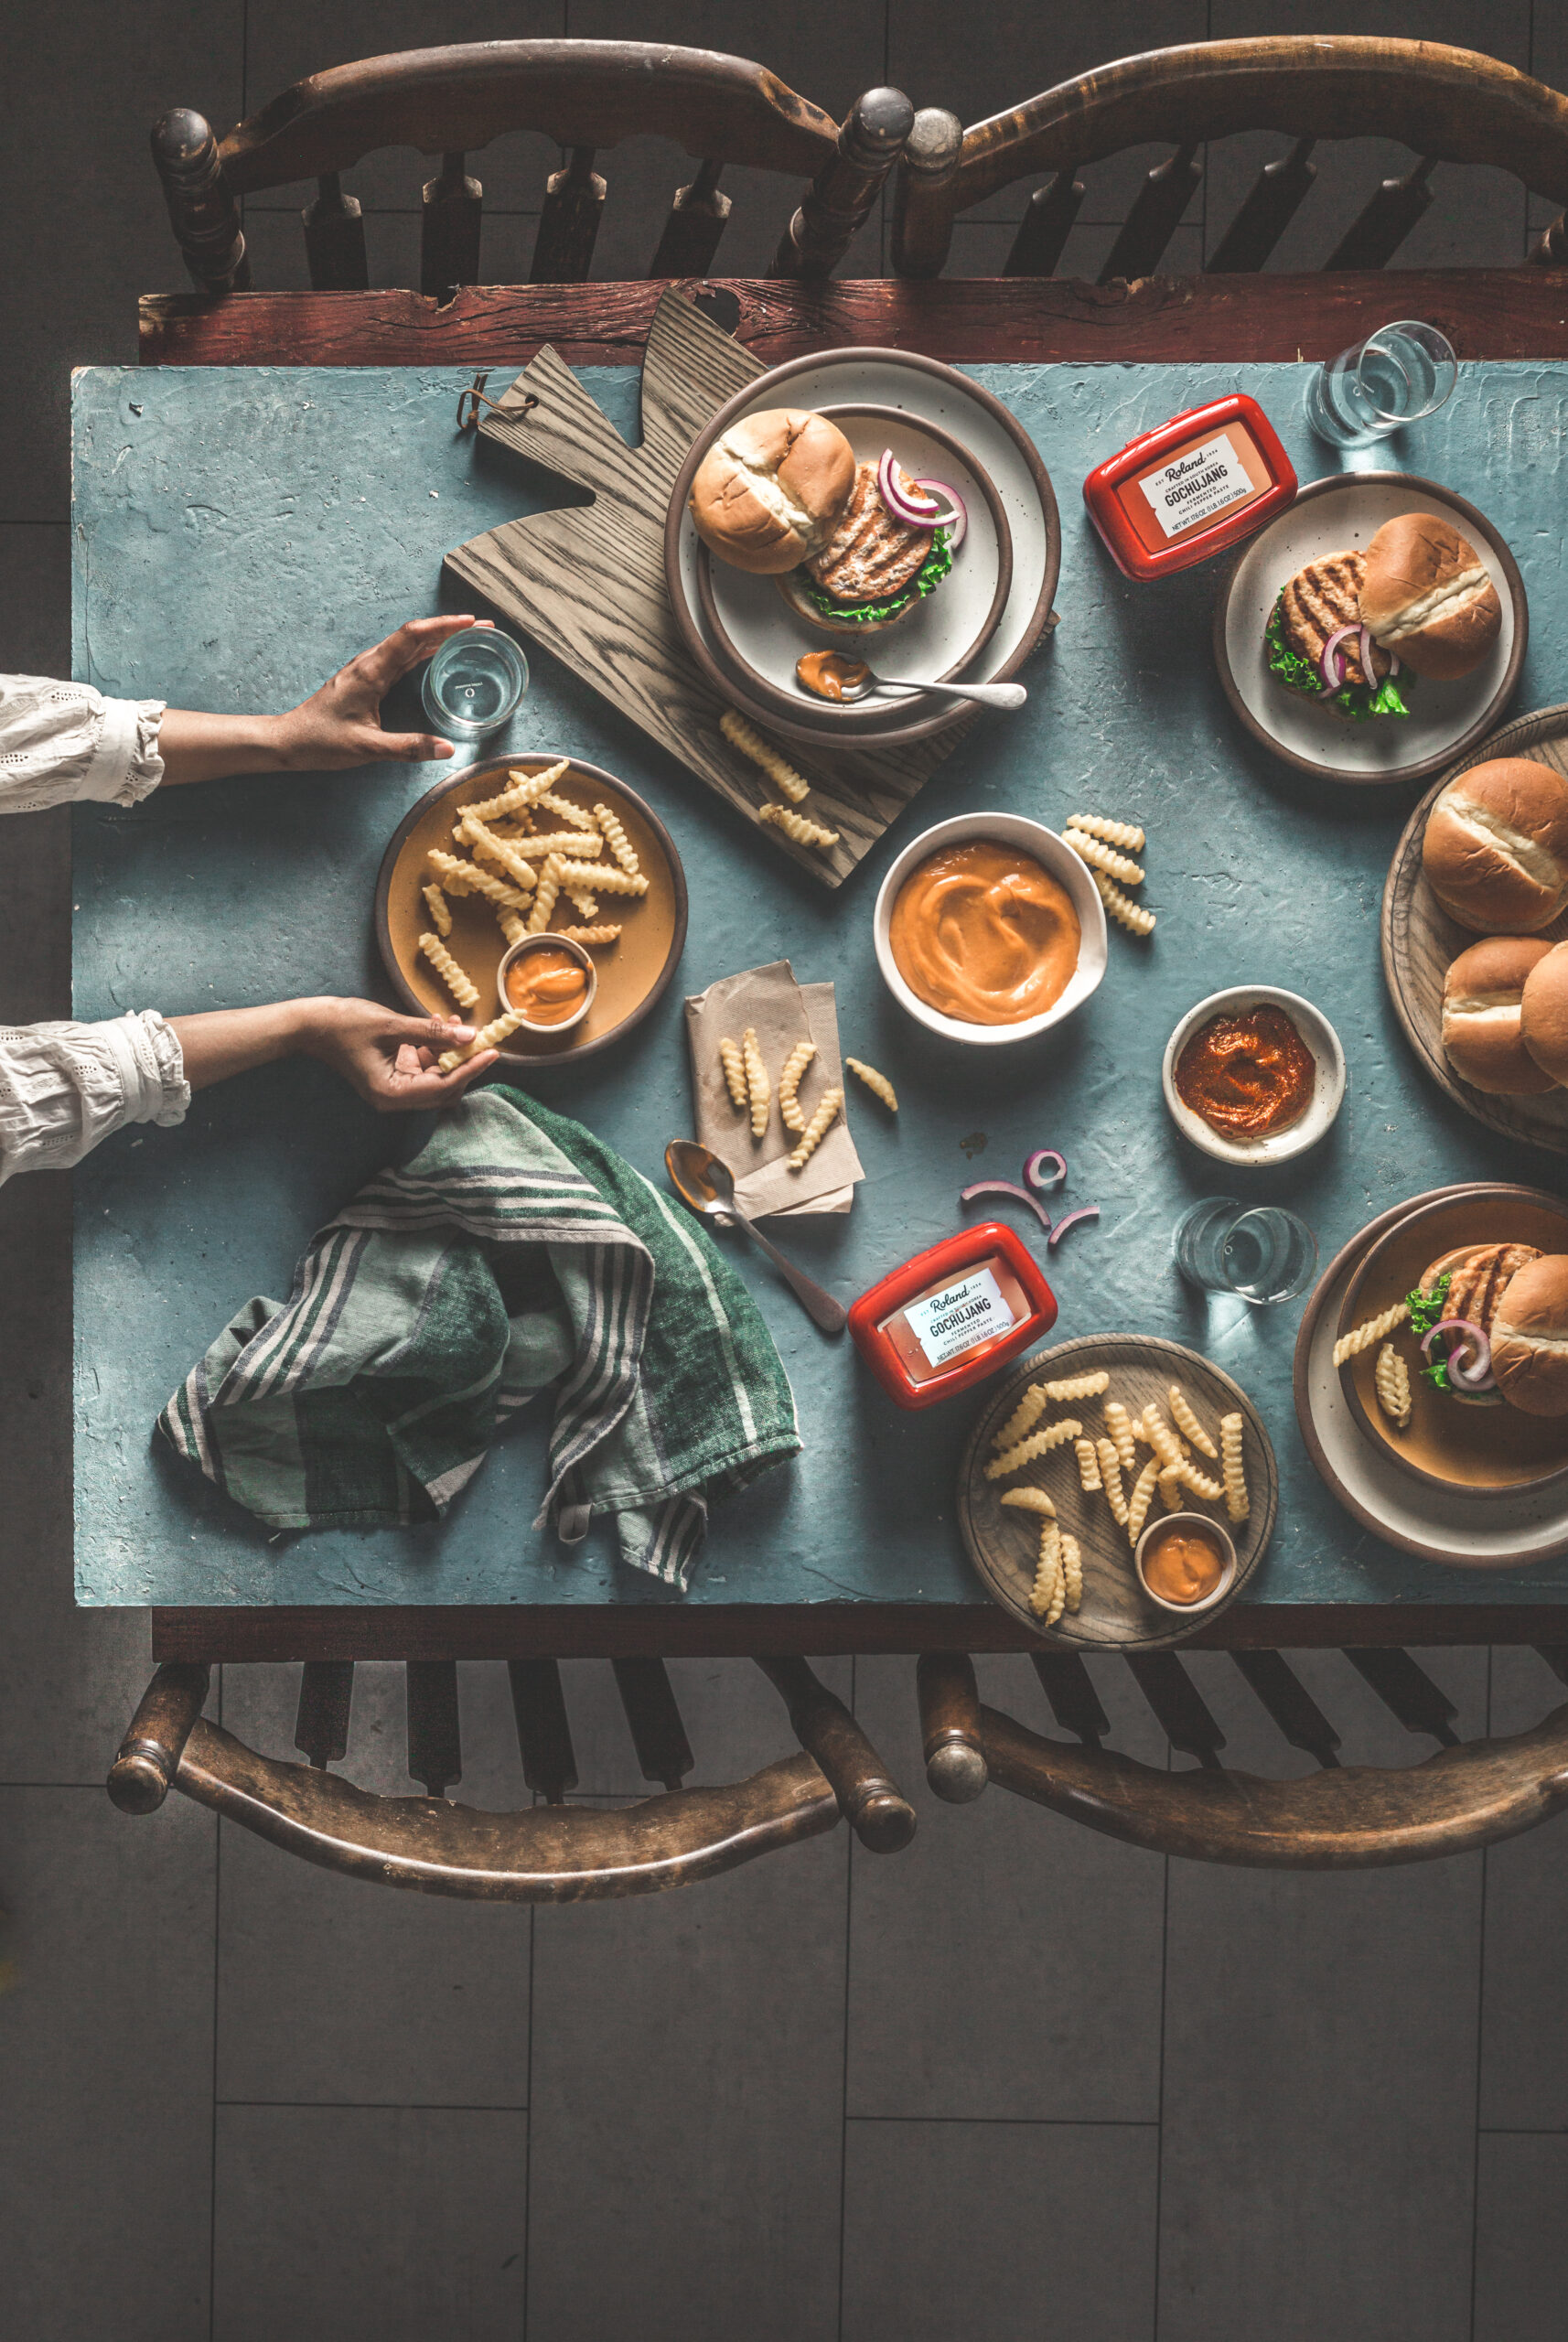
<point x="588" y="580"/>
<point x="1421" y="942"/>
<point x="1002" y="1541"/>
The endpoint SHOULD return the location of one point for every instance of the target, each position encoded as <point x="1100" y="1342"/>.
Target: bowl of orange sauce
<point x="549" y="981"/>
<point x="988" y="928"/>
<point x="1253" y="1075"/>
<point x="1185" y="1561"/>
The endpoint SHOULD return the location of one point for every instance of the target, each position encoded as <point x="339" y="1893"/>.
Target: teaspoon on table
<point x="702" y="1181"/>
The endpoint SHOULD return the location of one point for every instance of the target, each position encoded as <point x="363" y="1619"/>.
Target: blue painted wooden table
<point x="239" y="531"/>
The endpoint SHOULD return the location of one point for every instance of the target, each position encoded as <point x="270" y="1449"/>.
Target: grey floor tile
<point x="980" y="248"/>
<point x="403" y="2223"/>
<point x="688" y="2080"/>
<point x="79" y="248"/>
<point x="1524" y="2026"/>
<point x="275" y="242"/>
<point x="1007" y="1964"/>
<point x="734" y="1720"/>
<point x="1521" y="2241"/>
<point x="1006" y="2230"/>
<point x="34" y="612"/>
<point x="106" y="2048"/>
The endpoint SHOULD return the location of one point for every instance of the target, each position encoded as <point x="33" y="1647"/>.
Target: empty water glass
<point x="1260" y="1253"/>
<point x="1397" y="375"/>
<point x="474" y="684"/>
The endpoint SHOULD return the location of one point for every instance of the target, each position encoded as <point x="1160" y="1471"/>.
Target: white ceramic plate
<point x="1342" y="515"/>
<point x="1328" y="1092"/>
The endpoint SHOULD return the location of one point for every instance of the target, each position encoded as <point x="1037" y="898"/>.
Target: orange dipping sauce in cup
<point x="984" y="933"/>
<point x="1183" y="1565"/>
<point x="546" y="986"/>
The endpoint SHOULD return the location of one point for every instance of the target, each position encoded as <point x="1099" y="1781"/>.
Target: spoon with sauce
<point x="703" y="1182"/>
<point x="831" y="675"/>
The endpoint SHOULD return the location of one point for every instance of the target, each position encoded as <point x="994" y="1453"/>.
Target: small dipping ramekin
<point x="1211" y="1527"/>
<point x="1032" y="837"/>
<point x="577" y="951"/>
<point x="1329" y="1088"/>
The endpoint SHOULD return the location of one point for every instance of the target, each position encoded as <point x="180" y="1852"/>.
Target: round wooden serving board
<point x="1421" y="942"/>
<point x="1004" y="1542"/>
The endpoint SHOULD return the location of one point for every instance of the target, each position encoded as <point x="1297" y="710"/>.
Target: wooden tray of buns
<point x="1420" y="941"/>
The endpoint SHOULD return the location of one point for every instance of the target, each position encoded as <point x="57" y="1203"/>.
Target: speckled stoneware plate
<point x="1491" y="1447"/>
<point x="1458" y="1527"/>
<point x="634" y="973"/>
<point x="1342" y="515"/>
<point x="1004" y="1542"/>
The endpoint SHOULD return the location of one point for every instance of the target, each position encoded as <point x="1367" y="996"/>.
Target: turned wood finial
<point x="950" y="1720"/>
<point x="203" y="213"/>
<point x="871" y="138"/>
<point x="922" y="211"/>
<point x="143" y="1772"/>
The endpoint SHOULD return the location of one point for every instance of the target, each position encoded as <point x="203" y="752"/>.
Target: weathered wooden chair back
<point x="549" y="1851"/>
<point x="1341" y="1818"/>
<point x="1447" y="106"/>
<point x="587" y="95"/>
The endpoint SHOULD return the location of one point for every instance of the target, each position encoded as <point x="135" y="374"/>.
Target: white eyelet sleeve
<point x="60" y="741"/>
<point x="64" y="1087"/>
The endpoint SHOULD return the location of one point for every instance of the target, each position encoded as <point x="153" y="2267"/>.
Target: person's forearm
<point x="210" y="747"/>
<point x="223" y="1041"/>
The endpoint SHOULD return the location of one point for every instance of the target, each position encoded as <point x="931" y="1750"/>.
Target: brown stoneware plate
<point x="1451" y="1442"/>
<point x="634" y="973"/>
<point x="1421" y="942"/>
<point x="1004" y="1542"/>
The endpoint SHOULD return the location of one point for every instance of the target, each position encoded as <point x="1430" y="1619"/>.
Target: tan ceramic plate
<point x="1003" y="1542"/>
<point x="634" y="973"/>
<point x="1450" y="1443"/>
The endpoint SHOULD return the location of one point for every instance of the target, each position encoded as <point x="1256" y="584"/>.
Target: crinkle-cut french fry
<point x="759" y="1090"/>
<point x="817" y="1129"/>
<point x="565" y="842"/>
<point x="1039" y="1443"/>
<point x="1372" y="1330"/>
<point x="1187" y="1421"/>
<point x="1048" y="1597"/>
<point x="512" y="925"/>
<point x="1122" y="908"/>
<point x="584" y="905"/>
<point x="1100" y="825"/>
<point x="1029" y="1500"/>
<point x="1199" y="1482"/>
<point x="796" y="827"/>
<point x="467" y="878"/>
<point x="488" y="1036"/>
<point x="1023" y="1417"/>
<point x="1100" y="856"/>
<point x="1238" y="1503"/>
<point x="790" y="1077"/>
<point x="1161" y="1439"/>
<point x="436" y="905"/>
<point x="544" y="901"/>
<point x="616" y="838"/>
<point x="765" y="756"/>
<point x="1077" y="1386"/>
<point x="591" y="935"/>
<point x="1172" y="1495"/>
<point x="577" y="816"/>
<point x="522" y="790"/>
<point x="1391" y="1380"/>
<point x="877" y="1083"/>
<point x="1089" y="1478"/>
<point x="1111" y="1479"/>
<point x="603" y="879"/>
<point x="1072" y="1570"/>
<point x="733" y="1065"/>
<point x="1142" y="1498"/>
<point x="484" y="843"/>
<point x="1119" y="1423"/>
<point x="457" y="981"/>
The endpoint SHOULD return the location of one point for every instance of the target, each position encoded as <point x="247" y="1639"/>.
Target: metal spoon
<point x="703" y="1182"/>
<point x="983" y="695"/>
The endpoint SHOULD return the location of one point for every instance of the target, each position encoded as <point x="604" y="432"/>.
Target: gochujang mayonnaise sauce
<point x="984" y="933"/>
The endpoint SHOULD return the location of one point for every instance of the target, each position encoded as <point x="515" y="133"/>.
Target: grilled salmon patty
<point x="870" y="555"/>
<point x="1317" y="601"/>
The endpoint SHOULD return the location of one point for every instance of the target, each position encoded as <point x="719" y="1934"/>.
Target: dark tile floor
<point x="1020" y="2080"/>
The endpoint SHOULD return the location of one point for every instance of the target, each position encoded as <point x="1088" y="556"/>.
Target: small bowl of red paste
<point x="1253" y="1075"/>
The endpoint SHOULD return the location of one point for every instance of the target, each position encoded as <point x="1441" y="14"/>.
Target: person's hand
<point x="340" y="723"/>
<point x="388" y="1058"/>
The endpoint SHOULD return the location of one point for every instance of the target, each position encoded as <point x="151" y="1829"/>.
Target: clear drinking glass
<point x="474" y="684"/>
<point x="1260" y="1253"/>
<point x="1397" y="375"/>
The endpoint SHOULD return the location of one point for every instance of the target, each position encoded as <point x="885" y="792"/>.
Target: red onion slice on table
<point x="1035" y="1174"/>
<point x="1005" y="1187"/>
<point x="1070" y="1219"/>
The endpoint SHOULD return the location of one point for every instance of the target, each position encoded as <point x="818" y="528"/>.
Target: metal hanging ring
<point x="470" y="401"/>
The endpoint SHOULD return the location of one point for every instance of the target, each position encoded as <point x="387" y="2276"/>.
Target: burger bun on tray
<point x="1494" y="852"/>
<point x="1543" y="1013"/>
<point x="1482" y="995"/>
<point x="1427" y="597"/>
<point x="770" y="489"/>
<point x="1529" y="1338"/>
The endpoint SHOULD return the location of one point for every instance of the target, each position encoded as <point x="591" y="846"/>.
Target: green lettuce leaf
<point x="1357" y="701"/>
<point x="932" y="570"/>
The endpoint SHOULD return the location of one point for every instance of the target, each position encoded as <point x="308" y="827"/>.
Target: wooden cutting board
<point x="587" y="582"/>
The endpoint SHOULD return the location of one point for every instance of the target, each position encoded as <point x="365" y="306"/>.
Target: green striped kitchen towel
<point x="513" y="1252"/>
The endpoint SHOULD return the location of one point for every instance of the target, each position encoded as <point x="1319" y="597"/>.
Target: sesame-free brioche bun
<point x="1529" y="1338"/>
<point x="1426" y="596"/>
<point x="1496" y="848"/>
<point x="1481" y="997"/>
<point x="1543" y="1013"/>
<point x="770" y="489"/>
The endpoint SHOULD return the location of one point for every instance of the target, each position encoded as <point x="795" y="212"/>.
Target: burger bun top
<point x="1427" y="596"/>
<point x="771" y="487"/>
<point x="1529" y="1338"/>
<point x="1543" y="1013"/>
<point x="1495" y="850"/>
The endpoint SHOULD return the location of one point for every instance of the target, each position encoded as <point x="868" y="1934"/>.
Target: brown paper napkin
<point x="782" y="1012"/>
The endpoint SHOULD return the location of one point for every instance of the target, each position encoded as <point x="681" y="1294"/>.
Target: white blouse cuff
<point x="125" y="766"/>
<point x="151" y="1066"/>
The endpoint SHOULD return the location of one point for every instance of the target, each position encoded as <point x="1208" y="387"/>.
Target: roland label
<point x="946" y="1324"/>
<point x="1194" y="487"/>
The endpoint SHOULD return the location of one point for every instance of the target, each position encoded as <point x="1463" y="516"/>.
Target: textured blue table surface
<point x="239" y="533"/>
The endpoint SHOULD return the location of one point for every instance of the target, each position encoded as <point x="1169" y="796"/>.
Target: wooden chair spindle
<point x="1290" y="1704"/>
<point x="950" y="1720"/>
<point x="335" y="239"/>
<point x="692" y="232"/>
<point x="1408" y="1692"/>
<point x="658" y="1735"/>
<point x="203" y="213"/>
<point x="435" y="1742"/>
<point x="543" y="1735"/>
<point x="1272" y="201"/>
<point x="325" y="1697"/>
<point x="1070" y="1687"/>
<point x="569" y="223"/>
<point x="1044" y="230"/>
<point x="922" y="219"/>
<point x="1378" y="231"/>
<point x="1155" y="217"/>
<point x="872" y="136"/>
<point x="450" y="222"/>
<point x="871" y="1803"/>
<point x="1182" y="1713"/>
<point x="1556" y="1657"/>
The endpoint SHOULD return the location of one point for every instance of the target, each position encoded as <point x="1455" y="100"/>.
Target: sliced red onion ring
<point x="1393" y="664"/>
<point x="1035" y="1174"/>
<point x="1466" y="1373"/>
<point x="1365" y="647"/>
<point x="1070" y="1219"/>
<point x="958" y="526"/>
<point x="915" y="513"/>
<point x="1329" y="665"/>
<point x="1006" y="1188"/>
